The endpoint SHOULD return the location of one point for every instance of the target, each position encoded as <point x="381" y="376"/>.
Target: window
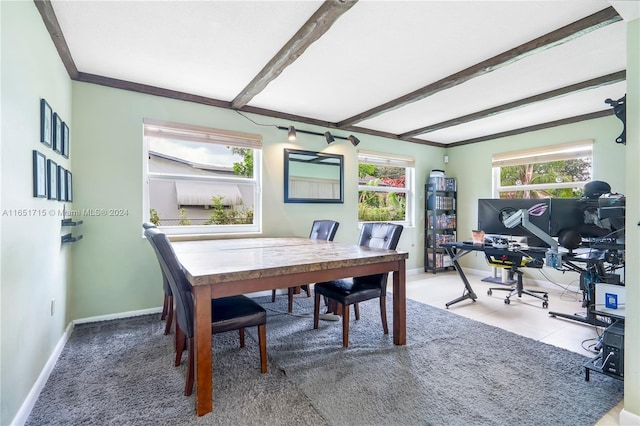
<point x="201" y="180"/>
<point x="558" y="171"/>
<point x="385" y="188"/>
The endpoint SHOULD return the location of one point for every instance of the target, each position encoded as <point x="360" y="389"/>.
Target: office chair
<point x="320" y="230"/>
<point x="351" y="291"/>
<point x="513" y="262"/>
<point x="167" y="306"/>
<point x="227" y="313"/>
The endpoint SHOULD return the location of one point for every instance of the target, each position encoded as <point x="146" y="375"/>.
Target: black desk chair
<point x="228" y="313"/>
<point x="513" y="262"/>
<point x="167" y="306"/>
<point x="320" y="230"/>
<point x="351" y="291"/>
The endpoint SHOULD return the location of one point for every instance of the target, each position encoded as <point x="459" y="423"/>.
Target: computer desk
<point x="502" y="257"/>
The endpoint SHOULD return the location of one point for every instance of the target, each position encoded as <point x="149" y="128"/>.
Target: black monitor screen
<point x="491" y="213"/>
<point x="586" y="217"/>
<point x="566" y="214"/>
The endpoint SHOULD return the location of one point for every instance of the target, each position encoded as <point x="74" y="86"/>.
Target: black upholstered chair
<point x="320" y="230"/>
<point x="351" y="291"/>
<point x="227" y="314"/>
<point x="167" y="306"/>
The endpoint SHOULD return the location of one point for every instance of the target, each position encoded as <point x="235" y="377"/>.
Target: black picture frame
<point x="314" y="167"/>
<point x="57" y="133"/>
<point x="52" y="180"/>
<point x="62" y="187"/>
<point x="65" y="140"/>
<point x="69" y="186"/>
<point x="39" y="174"/>
<point x="46" y="123"/>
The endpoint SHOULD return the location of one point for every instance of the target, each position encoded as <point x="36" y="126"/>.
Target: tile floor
<point x="524" y="316"/>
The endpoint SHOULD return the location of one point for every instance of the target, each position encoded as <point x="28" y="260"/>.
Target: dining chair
<point x="351" y="291"/>
<point x="227" y="313"/>
<point x="167" y="306"/>
<point x="320" y="230"/>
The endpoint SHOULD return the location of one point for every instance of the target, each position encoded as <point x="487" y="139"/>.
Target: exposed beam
<point x="149" y="90"/>
<point x="312" y="30"/>
<point x="560" y="36"/>
<point x="553" y="94"/>
<point x="53" y="26"/>
<point x="533" y="128"/>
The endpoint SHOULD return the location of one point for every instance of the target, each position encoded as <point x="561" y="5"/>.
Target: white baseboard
<point x="628" y="419"/>
<point x="119" y="315"/>
<point x="28" y="404"/>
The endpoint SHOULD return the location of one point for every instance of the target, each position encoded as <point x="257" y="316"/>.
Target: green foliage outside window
<point x="541" y="173"/>
<point x="379" y="206"/>
<point x="222" y="215"/>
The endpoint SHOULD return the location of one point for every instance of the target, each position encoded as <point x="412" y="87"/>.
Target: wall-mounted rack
<point x="68" y="238"/>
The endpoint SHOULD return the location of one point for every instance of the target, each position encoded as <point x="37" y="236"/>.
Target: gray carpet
<point x="453" y="371"/>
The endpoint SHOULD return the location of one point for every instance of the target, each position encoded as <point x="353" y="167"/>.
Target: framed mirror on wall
<point x="313" y="177"/>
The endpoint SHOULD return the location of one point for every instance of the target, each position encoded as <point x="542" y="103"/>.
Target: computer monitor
<point x="586" y="217"/>
<point x="492" y="211"/>
<point x="565" y="214"/>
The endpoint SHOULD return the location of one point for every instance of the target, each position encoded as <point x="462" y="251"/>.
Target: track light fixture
<point x="329" y="137"/>
<point x="355" y="141"/>
<point x="292" y="135"/>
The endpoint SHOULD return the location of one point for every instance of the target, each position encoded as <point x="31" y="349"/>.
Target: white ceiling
<point x="376" y="52"/>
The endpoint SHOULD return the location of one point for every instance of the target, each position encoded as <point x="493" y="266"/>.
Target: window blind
<point x="385" y="159"/>
<point x="567" y="151"/>
<point x="185" y="132"/>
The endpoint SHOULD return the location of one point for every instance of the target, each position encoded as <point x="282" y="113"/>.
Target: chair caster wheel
<point x="489" y="292"/>
<point x="507" y="301"/>
<point x="546" y="297"/>
<point x="545" y="305"/>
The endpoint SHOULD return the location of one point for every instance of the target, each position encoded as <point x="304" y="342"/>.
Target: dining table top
<point x="209" y="262"/>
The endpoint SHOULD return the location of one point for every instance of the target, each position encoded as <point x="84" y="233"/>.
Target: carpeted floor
<point x="453" y="371"/>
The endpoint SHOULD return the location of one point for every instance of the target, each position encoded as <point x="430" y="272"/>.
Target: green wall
<point x="116" y="271"/>
<point x="34" y="264"/>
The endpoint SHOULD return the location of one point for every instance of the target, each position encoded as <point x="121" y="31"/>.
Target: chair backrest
<point x="172" y="269"/>
<point x="379" y="235"/>
<point x="324" y="230"/>
<point x="165" y="282"/>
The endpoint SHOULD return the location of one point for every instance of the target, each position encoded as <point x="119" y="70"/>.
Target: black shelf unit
<point x="440" y="222"/>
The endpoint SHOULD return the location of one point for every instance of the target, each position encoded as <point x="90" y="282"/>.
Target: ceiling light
<point x="292" y="133"/>
<point x="329" y="137"/>
<point x="355" y="141"/>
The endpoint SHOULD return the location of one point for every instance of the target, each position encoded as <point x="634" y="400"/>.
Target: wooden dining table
<point x="220" y="268"/>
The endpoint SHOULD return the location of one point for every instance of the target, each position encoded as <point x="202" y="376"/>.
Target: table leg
<point x="468" y="292"/>
<point x="203" y="356"/>
<point x="400" y="305"/>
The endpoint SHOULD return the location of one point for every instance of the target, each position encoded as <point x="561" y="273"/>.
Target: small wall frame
<point x="57" y="133"/>
<point x="39" y="174"/>
<point x="46" y="123"/>
<point x="52" y="180"/>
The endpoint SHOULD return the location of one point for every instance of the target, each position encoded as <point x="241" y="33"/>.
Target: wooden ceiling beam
<point x="615" y="77"/>
<point x="560" y="36"/>
<point x="562" y="122"/>
<point x="53" y="27"/>
<point x="312" y="30"/>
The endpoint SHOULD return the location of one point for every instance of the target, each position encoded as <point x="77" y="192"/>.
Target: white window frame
<point x="169" y="130"/>
<point x="383" y="159"/>
<point x="566" y="151"/>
